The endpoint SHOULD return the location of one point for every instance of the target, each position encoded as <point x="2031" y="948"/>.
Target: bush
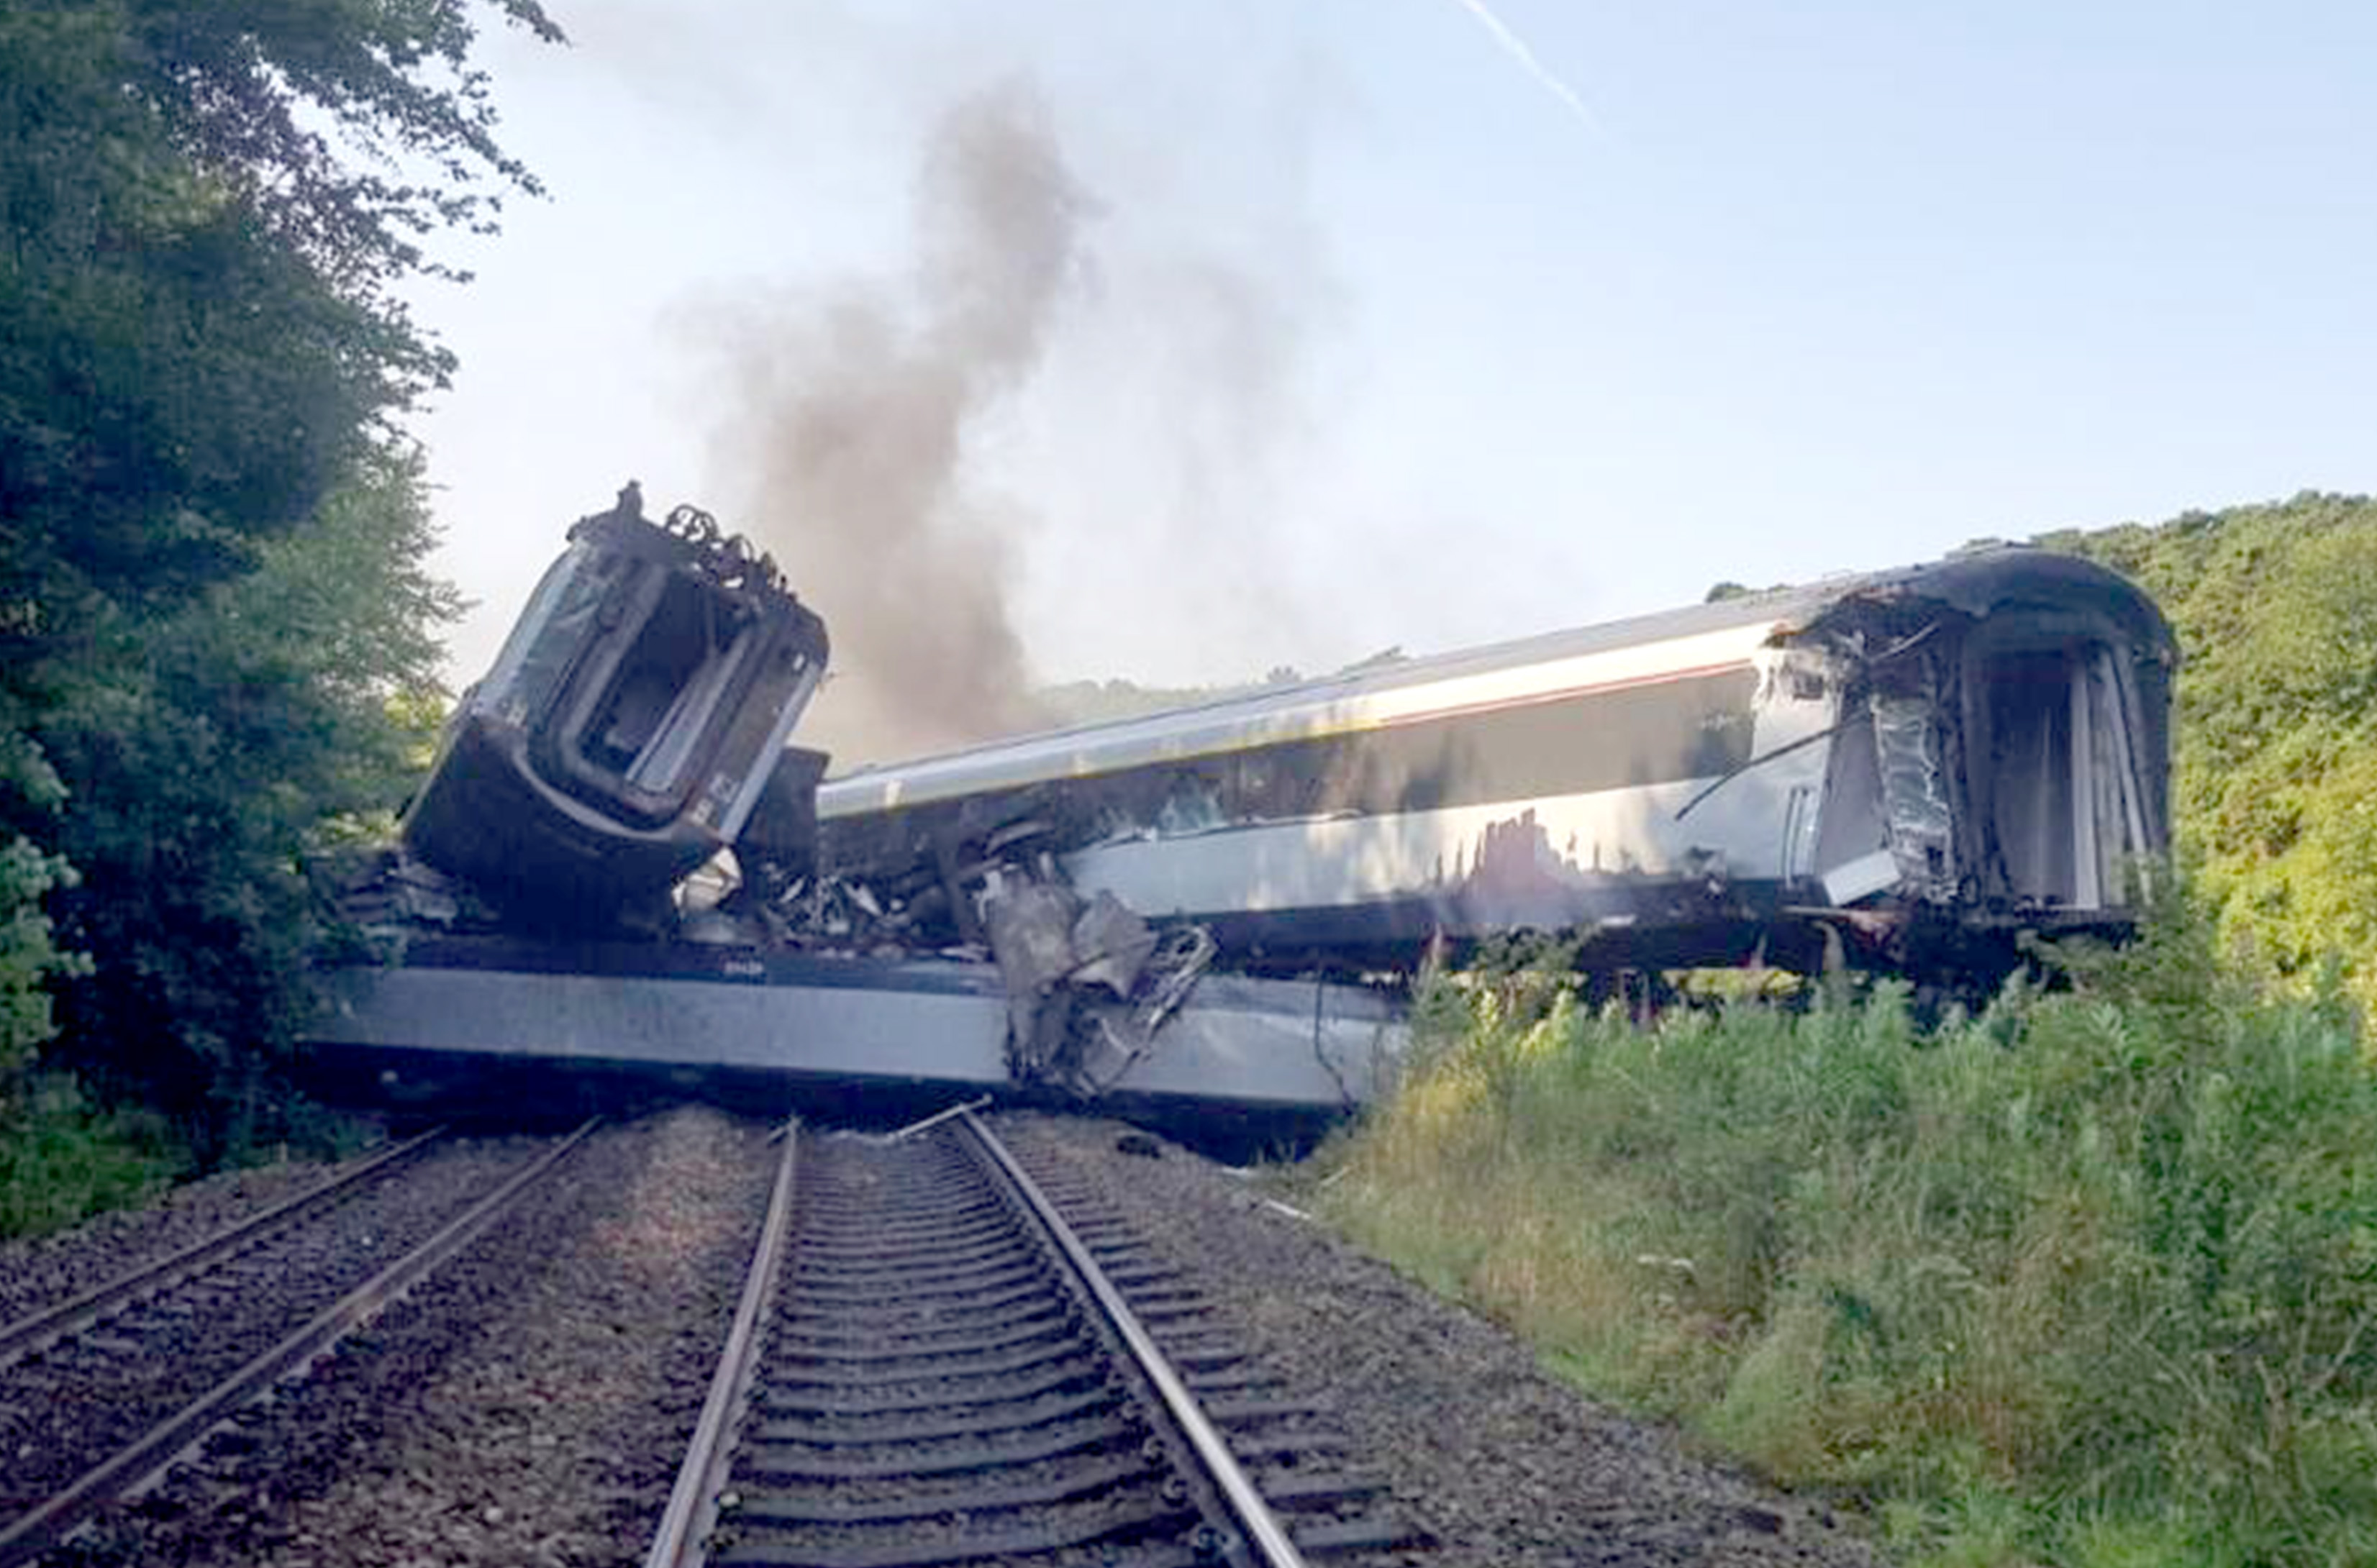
<point x="2089" y="1275"/>
<point x="61" y="1160"/>
<point x="28" y="956"/>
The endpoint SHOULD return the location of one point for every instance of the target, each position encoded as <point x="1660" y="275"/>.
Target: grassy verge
<point x="61" y="1160"/>
<point x="2089" y="1278"/>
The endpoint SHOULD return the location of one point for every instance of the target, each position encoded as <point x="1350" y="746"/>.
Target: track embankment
<point x="523" y="1406"/>
<point x="530" y="1402"/>
<point x="1503" y="1465"/>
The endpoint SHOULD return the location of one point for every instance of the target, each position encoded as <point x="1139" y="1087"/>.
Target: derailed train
<point x="634" y="725"/>
<point x="1906" y="767"/>
<point x="535" y="913"/>
<point x="1901" y="769"/>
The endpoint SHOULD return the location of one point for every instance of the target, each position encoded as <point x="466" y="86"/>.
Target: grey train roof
<point x="1976" y="584"/>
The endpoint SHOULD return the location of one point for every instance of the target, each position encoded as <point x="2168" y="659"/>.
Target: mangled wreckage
<point x="546" y="898"/>
<point x="1906" y="768"/>
<point x="1902" y="770"/>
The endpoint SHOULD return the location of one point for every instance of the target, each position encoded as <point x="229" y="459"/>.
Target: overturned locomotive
<point x="1903" y="769"/>
<point x="633" y="726"/>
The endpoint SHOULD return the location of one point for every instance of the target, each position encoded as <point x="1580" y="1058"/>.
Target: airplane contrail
<point x="1511" y="44"/>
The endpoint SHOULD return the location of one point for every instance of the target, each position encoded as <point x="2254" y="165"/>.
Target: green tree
<point x="214" y="747"/>
<point x="196" y="334"/>
<point x="2275" y="779"/>
<point x="210" y="534"/>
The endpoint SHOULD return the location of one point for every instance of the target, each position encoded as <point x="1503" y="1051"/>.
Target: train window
<point x="1911" y="761"/>
<point x="1192" y="805"/>
<point x="1852" y="827"/>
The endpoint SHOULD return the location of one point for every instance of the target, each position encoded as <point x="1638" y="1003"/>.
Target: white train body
<point x="1947" y="750"/>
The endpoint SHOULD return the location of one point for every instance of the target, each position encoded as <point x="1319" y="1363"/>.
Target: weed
<point x="61" y="1160"/>
<point x="2088" y="1277"/>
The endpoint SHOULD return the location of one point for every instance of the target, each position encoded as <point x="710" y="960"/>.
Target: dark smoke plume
<point x="849" y="443"/>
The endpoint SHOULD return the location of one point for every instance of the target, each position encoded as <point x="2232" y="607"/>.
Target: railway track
<point x="99" y="1394"/>
<point x="940" y="1359"/>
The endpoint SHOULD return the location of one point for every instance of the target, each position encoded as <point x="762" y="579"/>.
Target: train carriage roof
<point x="1666" y="642"/>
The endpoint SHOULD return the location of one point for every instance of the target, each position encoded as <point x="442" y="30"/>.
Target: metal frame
<point x="1257" y="1523"/>
<point x="692" y="1509"/>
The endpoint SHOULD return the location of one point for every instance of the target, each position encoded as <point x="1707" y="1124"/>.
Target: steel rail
<point x="1256" y="1521"/>
<point x="45" y="1526"/>
<point x="38" y="1329"/>
<point x="692" y="1509"/>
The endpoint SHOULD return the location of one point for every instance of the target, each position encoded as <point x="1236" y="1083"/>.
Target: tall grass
<point x="61" y="1160"/>
<point x="2089" y="1276"/>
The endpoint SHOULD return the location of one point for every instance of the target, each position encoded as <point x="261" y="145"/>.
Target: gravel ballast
<point x="528" y="1405"/>
<point x="39" y="1273"/>
<point x="68" y="1406"/>
<point x="1505" y="1466"/>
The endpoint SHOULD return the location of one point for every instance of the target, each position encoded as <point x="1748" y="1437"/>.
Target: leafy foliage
<point x="236" y="84"/>
<point x="2088" y="1278"/>
<point x="2276" y="771"/>
<point x="213" y="620"/>
<point x="195" y="333"/>
<point x="62" y="1159"/>
<point x="217" y="745"/>
<point x="28" y="956"/>
<point x="1101" y="702"/>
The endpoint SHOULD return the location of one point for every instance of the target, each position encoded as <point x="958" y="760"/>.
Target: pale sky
<point x="1427" y="323"/>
